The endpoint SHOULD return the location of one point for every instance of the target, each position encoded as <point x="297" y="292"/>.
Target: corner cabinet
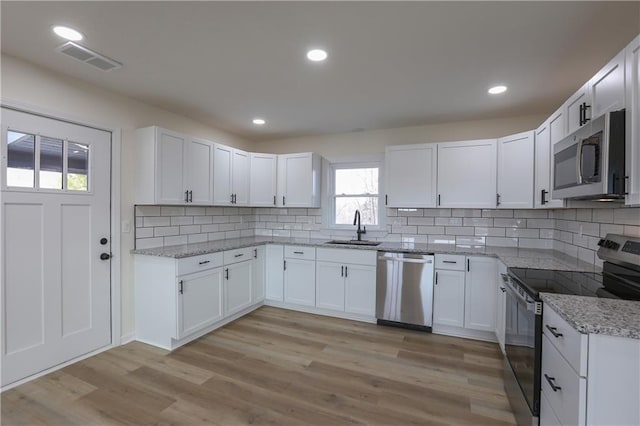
<point x="262" y="182"/>
<point x="299" y="180"/>
<point x="467" y="173"/>
<point x="632" y="90"/>
<point x="172" y="168"/>
<point x="515" y="171"/>
<point x="178" y="300"/>
<point x="231" y="176"/>
<point x="411" y="173"/>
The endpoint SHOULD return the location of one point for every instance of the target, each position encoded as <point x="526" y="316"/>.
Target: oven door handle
<point x="530" y="305"/>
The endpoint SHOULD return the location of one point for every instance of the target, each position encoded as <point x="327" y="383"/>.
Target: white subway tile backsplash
<point x="497" y="213"/>
<point x="164" y="231"/>
<point x="197" y="238"/>
<point x="202" y="220"/>
<point x="540" y="223"/>
<point x="502" y="242"/>
<point x="510" y="223"/>
<point x="430" y="230"/>
<point x="147" y="210"/>
<point x="459" y="230"/>
<point x="531" y="214"/>
<point x="478" y="221"/>
<point x="195" y="211"/>
<point x="484" y="231"/>
<point x="466" y="212"/>
<point x="420" y="220"/>
<point x="144" y="232"/>
<point x="584" y="215"/>
<point x="626" y="216"/>
<point x="175" y="240"/>
<point x="171" y="211"/>
<point x="522" y="233"/>
<point x="181" y="220"/>
<point x="143" y="243"/>
<point x="157" y="221"/>
<point x="602" y="216"/>
<point x="448" y="221"/>
<point x="189" y="229"/>
<point x="535" y="243"/>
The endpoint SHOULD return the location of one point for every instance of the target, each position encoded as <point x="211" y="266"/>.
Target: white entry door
<point x="55" y="213"/>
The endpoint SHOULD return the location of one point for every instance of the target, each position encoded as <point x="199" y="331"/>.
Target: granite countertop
<point x="594" y="315"/>
<point x="512" y="257"/>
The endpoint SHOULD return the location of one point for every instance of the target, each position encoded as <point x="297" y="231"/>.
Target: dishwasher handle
<point x="405" y="260"/>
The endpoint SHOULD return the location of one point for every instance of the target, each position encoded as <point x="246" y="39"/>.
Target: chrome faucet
<point x="359" y="232"/>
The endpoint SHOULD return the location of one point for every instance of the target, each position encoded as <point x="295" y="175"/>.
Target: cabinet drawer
<point x="300" y="252"/>
<point x="202" y="262"/>
<point x="238" y="255"/>
<point x="453" y="262"/>
<point x="569" y="398"/>
<point x="569" y="342"/>
<point x="356" y="257"/>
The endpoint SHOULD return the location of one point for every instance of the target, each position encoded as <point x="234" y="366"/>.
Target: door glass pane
<point x="346" y="208"/>
<point x="356" y="181"/>
<point x="21" y="159"/>
<point x="50" y="163"/>
<point x="77" y="167"/>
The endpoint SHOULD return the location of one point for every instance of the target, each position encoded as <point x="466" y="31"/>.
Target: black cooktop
<point x="614" y="282"/>
<point x="561" y="282"/>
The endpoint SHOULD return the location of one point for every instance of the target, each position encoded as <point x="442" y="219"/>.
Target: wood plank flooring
<point x="276" y="366"/>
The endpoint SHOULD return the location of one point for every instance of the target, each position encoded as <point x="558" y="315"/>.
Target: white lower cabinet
<point x="274" y="273"/>
<point x="199" y="300"/>
<point x="346" y="281"/>
<point x="587" y="378"/>
<point x="259" y="274"/>
<point x="464" y="296"/>
<point x="178" y="300"/>
<point x="237" y="286"/>
<point x="300" y="276"/>
<point x="448" y="298"/>
<point x="480" y="291"/>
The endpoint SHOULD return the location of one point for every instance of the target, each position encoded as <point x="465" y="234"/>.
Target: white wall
<point x="374" y="141"/>
<point x="26" y="83"/>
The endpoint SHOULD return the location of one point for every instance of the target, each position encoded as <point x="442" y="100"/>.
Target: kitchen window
<point x="355" y="186"/>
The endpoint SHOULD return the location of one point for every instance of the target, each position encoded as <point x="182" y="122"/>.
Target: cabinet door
<point x="542" y="189"/>
<point x="300" y="282"/>
<point x="259" y="273"/>
<point x="607" y="87"/>
<point x="240" y="177"/>
<point x="467" y="174"/>
<point x="557" y="127"/>
<point x="237" y="287"/>
<point x="448" y="298"/>
<point x="295" y="179"/>
<point x="360" y="290"/>
<point x="275" y="273"/>
<point x="200" y="301"/>
<point x="573" y="109"/>
<point x="222" y="158"/>
<point x="411" y="172"/>
<point x="480" y="293"/>
<point x="330" y="286"/>
<point x="262" y="187"/>
<point x="632" y="87"/>
<point x="170" y="164"/>
<point x="199" y="171"/>
<point x="515" y="171"/>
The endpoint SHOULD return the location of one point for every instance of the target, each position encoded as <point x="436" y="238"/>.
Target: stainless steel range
<point x="619" y="279"/>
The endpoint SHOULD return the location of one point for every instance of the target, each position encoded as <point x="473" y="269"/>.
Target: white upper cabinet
<point x="230" y="176"/>
<point x="542" y="173"/>
<point x="607" y="87"/>
<point x="262" y="185"/>
<point x="578" y="109"/>
<point x="199" y="171"/>
<point x="411" y="172"/>
<point x="467" y="174"/>
<point x="515" y="171"/>
<point x="172" y="168"/>
<point x="632" y="89"/>
<point x="299" y="180"/>
<point x="557" y="126"/>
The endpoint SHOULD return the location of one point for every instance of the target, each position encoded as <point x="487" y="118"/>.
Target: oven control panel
<point x="620" y="249"/>
<point x="632" y="247"/>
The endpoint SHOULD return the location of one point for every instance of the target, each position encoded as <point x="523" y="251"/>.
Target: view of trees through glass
<point x="356" y="189"/>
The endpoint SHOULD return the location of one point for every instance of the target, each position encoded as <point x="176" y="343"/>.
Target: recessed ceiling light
<point x="68" y="33"/>
<point x="496" y="90"/>
<point x="317" y="55"/>
<point x="259" y="121"/>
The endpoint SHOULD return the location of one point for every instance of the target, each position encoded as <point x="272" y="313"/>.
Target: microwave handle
<point x="579" y="162"/>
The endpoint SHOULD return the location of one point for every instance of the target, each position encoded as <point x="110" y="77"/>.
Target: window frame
<point x="331" y="193"/>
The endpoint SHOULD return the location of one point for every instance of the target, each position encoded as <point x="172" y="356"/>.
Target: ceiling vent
<point x="88" y="56"/>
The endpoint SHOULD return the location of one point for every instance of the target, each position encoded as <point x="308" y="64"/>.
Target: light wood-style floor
<point x="278" y="367"/>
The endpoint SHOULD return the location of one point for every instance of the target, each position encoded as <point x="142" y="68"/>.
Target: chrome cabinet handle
<point x="553" y="331"/>
<point x="551" y="381"/>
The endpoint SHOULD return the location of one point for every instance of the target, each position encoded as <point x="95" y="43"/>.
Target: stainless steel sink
<point x="354" y="242"/>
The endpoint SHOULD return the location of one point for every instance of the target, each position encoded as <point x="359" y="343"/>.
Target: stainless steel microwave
<point x="589" y="164"/>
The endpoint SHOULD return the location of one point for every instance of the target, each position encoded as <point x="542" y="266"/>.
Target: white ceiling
<point x="390" y="64"/>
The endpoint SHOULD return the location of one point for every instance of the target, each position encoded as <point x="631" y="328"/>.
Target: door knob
<point x="103" y="241"/>
<point x="105" y="256"/>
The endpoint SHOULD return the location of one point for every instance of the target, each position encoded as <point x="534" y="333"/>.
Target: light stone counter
<point x="595" y="315"/>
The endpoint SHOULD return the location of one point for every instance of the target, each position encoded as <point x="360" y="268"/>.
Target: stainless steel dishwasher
<point x="404" y="290"/>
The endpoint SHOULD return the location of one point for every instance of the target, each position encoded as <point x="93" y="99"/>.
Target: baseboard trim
<point x="127" y="338"/>
<point x="319" y="311"/>
<point x="485" y="336"/>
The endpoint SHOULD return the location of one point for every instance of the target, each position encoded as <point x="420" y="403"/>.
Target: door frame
<point x="116" y="145"/>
